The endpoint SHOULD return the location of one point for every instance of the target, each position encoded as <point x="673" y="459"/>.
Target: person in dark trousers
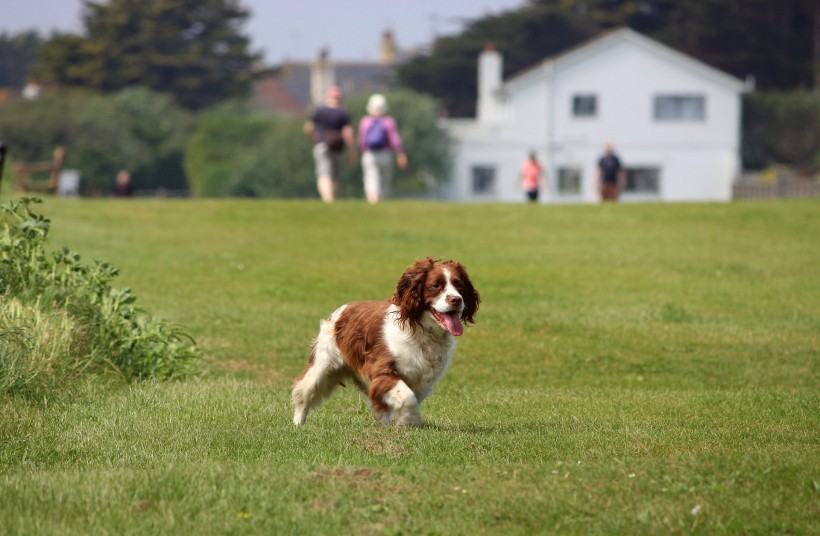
<point x="531" y="175"/>
<point x="611" y="175"/>
<point x="123" y="186"/>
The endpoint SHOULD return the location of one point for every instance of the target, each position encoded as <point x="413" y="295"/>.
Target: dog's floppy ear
<point x="470" y="295"/>
<point x="409" y="295"/>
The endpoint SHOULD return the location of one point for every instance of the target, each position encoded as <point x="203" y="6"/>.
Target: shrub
<point x="101" y="143"/>
<point x="781" y="127"/>
<point x="281" y="166"/>
<point x="61" y="318"/>
<point x="31" y="129"/>
<point x="224" y="135"/>
<point x="163" y="129"/>
<point x="132" y="129"/>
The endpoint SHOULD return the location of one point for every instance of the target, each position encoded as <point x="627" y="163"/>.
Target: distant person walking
<point x="611" y="176"/>
<point x="330" y="128"/>
<point x="379" y="141"/>
<point x="122" y="185"/>
<point x="531" y="175"/>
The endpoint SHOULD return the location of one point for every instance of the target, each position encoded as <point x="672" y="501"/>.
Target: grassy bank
<point x="633" y="368"/>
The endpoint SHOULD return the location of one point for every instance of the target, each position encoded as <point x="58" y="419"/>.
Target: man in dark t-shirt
<point x="610" y="174"/>
<point x="328" y="123"/>
<point x="329" y="126"/>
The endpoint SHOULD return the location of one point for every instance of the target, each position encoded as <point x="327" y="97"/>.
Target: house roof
<point x="270" y="93"/>
<point x="606" y="40"/>
<point x="289" y="89"/>
<point x="363" y="77"/>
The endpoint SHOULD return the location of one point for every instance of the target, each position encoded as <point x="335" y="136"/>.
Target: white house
<point x="674" y="121"/>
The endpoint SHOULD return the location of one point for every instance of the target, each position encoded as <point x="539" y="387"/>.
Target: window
<point x="569" y="181"/>
<point x="680" y="107"/>
<point x="584" y="105"/>
<point x="643" y="181"/>
<point x="483" y="179"/>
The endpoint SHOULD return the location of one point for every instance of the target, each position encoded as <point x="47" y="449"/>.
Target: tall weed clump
<point x="61" y="319"/>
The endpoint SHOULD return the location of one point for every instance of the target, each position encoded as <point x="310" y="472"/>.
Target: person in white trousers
<point x="379" y="141"/>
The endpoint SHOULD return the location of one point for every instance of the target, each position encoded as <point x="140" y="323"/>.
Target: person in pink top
<point x="379" y="141"/>
<point x="531" y="173"/>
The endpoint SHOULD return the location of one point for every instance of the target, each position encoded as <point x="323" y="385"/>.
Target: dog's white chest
<point x="421" y="356"/>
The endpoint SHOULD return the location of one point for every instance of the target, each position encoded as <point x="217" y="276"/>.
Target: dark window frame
<point x="679" y="107"/>
<point x="585" y="105"/>
<point x="483" y="179"/>
<point x="643" y="180"/>
<point x="569" y="181"/>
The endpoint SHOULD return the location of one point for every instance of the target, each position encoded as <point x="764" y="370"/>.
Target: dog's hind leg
<point x="324" y="372"/>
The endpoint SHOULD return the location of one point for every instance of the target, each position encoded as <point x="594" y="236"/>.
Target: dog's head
<point x="441" y="289"/>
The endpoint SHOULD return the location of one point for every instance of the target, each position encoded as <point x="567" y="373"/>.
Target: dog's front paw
<point x="410" y="420"/>
<point x="382" y="417"/>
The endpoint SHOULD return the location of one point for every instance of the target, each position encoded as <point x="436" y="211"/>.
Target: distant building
<point x="674" y="121"/>
<point x="295" y="86"/>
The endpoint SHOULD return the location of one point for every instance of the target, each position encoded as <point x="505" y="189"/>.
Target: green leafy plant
<point x="100" y="328"/>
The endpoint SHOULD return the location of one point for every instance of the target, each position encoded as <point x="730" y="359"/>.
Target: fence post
<point x="2" y="161"/>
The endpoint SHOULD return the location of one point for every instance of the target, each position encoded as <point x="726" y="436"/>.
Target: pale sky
<point x="298" y="29"/>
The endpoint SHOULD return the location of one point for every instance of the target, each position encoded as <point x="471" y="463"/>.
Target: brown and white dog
<point x="393" y="350"/>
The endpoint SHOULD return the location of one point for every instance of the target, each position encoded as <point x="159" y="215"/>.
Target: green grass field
<point x="633" y="369"/>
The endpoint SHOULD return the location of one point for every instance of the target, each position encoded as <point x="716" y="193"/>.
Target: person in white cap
<point x="332" y="133"/>
<point x="379" y="142"/>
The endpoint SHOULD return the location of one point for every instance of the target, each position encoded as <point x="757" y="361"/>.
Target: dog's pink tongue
<point x="453" y="324"/>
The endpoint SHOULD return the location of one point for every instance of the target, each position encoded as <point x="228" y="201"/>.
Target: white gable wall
<point x="487" y="146"/>
<point x="516" y="127"/>
<point x="697" y="160"/>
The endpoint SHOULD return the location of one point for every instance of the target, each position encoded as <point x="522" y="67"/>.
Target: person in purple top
<point x="379" y="141"/>
<point x="330" y="128"/>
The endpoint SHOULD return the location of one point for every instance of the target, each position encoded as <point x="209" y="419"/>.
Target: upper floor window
<point x="584" y="105"/>
<point x="680" y="107"/>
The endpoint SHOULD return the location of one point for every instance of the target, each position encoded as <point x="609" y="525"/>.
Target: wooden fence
<point x="751" y="188"/>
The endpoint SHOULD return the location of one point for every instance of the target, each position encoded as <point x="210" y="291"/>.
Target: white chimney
<point x="490" y="68"/>
<point x="322" y="77"/>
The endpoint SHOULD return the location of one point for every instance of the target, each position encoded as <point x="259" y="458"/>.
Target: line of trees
<point x="191" y="49"/>
<point x="159" y="88"/>
<point x="156" y="87"/>
<point x="228" y="149"/>
<point x="17" y="55"/>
